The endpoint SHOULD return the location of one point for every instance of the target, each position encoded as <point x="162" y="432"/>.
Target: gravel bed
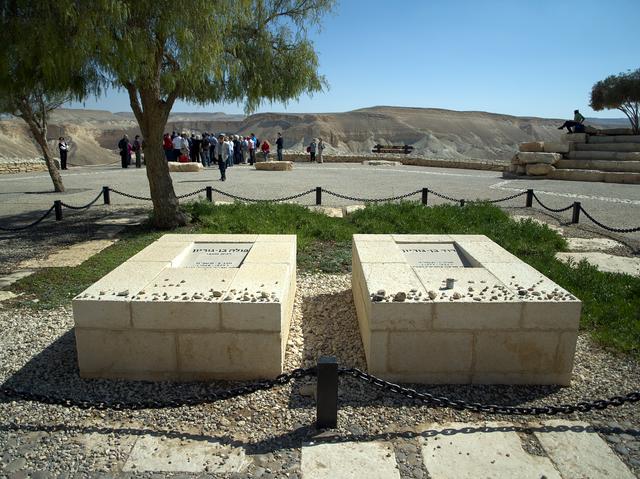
<point x="37" y="353"/>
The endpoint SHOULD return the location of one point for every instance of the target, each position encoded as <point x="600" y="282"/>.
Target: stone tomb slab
<point x="191" y="307"/>
<point x="460" y="309"/>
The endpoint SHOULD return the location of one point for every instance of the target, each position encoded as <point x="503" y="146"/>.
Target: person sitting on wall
<point x="576" y="124"/>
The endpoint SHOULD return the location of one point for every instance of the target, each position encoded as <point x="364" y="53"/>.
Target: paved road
<point x="22" y="196"/>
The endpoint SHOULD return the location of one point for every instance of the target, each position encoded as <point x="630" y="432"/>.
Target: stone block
<point x="229" y="355"/>
<point x="191" y="167"/>
<point x="556" y="147"/>
<point x="561" y="315"/>
<point x="378" y="252"/>
<point x="264" y="252"/>
<point x="539" y="169"/>
<point x="165" y="251"/>
<point x="517" y="352"/>
<point x="125" y="354"/>
<point x="274" y="165"/>
<point x="575" y="138"/>
<point x="544" y="158"/>
<point x="405" y="316"/>
<point x="477" y="316"/>
<point x="430" y="352"/>
<point x="521" y="170"/>
<point x="212" y="238"/>
<point x="531" y="146"/>
<point x="577" y="175"/>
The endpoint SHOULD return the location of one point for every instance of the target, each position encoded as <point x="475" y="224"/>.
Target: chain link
<point x="88" y="205"/>
<point x="507" y="198"/>
<point x="615" y="230"/>
<point x="243" y="390"/>
<point x="444" y="197"/>
<point x="370" y="200"/>
<point x="255" y="200"/>
<point x="554" y="210"/>
<point x="201" y="190"/>
<point x="20" y="228"/>
<point x="127" y="195"/>
<point x="442" y="401"/>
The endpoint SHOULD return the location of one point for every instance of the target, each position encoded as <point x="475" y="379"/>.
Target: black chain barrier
<point x="256" y="200"/>
<point x="282" y="379"/>
<point x="201" y="190"/>
<point x="506" y="198"/>
<point x="88" y="205"/>
<point x="20" y="228"/>
<point x="371" y="200"/>
<point x="554" y="210"/>
<point x="441" y="401"/>
<point x="615" y="230"/>
<point x="127" y="195"/>
<point x="444" y="197"/>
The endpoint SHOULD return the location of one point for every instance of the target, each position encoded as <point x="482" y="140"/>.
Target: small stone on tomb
<point x="124" y="293"/>
<point x="216" y="294"/>
<point x="197" y="296"/>
<point x="457" y="295"/>
<point x="400" y="296"/>
<point x="433" y="295"/>
<point x="102" y="293"/>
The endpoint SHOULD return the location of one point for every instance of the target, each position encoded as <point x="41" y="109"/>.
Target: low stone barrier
<point x="192" y="167"/>
<point x="274" y="165"/>
<point x="19" y="165"/>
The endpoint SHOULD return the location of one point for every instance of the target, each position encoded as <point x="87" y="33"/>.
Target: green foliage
<point x="621" y="92"/>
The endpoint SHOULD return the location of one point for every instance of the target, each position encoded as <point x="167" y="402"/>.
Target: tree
<point x="621" y="92"/>
<point x="244" y="51"/>
<point x="38" y="73"/>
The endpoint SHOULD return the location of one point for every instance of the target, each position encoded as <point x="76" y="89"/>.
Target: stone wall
<point x="19" y="165"/>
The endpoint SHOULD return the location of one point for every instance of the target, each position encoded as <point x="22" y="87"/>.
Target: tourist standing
<point x="222" y="164"/>
<point x="137" y="150"/>
<point x="63" y="148"/>
<point x="177" y="146"/>
<point x="184" y="149"/>
<point x="252" y="150"/>
<point x="229" y="151"/>
<point x="312" y="150"/>
<point x="237" y="150"/>
<point x="320" y="149"/>
<point x="204" y="151"/>
<point x="167" y="146"/>
<point x="279" y="146"/>
<point x="124" y="147"/>
<point x="196" y="143"/>
<point x="265" y="150"/>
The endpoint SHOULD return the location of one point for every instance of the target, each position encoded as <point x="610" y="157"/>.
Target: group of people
<point x="127" y="148"/>
<point x="315" y="149"/>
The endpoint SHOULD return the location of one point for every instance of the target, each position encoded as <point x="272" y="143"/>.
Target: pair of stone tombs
<point x="431" y="309"/>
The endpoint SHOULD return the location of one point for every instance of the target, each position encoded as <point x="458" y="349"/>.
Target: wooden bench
<point x="404" y="149"/>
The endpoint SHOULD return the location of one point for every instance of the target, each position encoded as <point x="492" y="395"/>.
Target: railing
<point x="576" y="207"/>
<point x="327" y="373"/>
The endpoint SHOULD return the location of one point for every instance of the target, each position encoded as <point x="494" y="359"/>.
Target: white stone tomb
<point x="502" y="322"/>
<point x="191" y="307"/>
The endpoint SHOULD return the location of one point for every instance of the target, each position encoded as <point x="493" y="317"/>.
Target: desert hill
<point x="434" y="133"/>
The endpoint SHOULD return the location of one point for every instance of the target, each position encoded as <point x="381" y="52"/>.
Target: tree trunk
<point x="40" y="135"/>
<point x="166" y="208"/>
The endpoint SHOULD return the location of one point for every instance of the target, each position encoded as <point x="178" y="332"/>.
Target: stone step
<point x="602" y="165"/>
<point x="614" y="139"/>
<point x="604" y="155"/>
<point x="615" y="147"/>
<point x="595" y="175"/>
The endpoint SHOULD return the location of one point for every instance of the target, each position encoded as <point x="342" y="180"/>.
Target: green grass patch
<point x="611" y="302"/>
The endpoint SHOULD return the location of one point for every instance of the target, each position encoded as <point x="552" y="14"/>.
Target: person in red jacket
<point x="265" y="147"/>
<point x="167" y="145"/>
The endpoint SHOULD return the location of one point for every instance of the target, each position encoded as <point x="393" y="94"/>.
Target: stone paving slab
<point x="8" y="279"/>
<point x="577" y="452"/>
<point x="592" y="244"/>
<point x="162" y="454"/>
<point x="71" y="256"/>
<point x="605" y="262"/>
<point x="349" y="460"/>
<point x="463" y="451"/>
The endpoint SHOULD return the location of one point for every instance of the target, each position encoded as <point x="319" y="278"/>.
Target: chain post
<point x="327" y="393"/>
<point x="425" y="196"/>
<point x="57" y="204"/>
<point x="461" y="202"/>
<point x="576" y="213"/>
<point x="318" y="195"/>
<point x="209" y="194"/>
<point x="105" y="195"/>
<point x="529" y="203"/>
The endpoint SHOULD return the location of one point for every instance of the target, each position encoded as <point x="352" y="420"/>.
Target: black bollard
<point x="461" y="202"/>
<point x="209" y="194"/>
<point x="576" y="213"/>
<point x="318" y="195"/>
<point x="327" y="393"/>
<point x="529" y="203"/>
<point x="57" y="204"/>
<point x="425" y="196"/>
<point x="105" y="195"/>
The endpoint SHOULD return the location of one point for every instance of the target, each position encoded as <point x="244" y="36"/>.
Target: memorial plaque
<point x="216" y="255"/>
<point x="434" y="255"/>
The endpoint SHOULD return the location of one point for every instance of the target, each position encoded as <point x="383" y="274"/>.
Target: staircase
<point x="604" y="158"/>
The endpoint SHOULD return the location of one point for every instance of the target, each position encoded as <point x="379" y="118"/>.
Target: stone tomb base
<point x="501" y="322"/>
<point x="191" y="307"/>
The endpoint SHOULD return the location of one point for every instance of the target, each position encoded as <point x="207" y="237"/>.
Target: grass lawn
<point x="611" y="302"/>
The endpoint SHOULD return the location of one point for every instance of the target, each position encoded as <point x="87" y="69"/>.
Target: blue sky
<point x="522" y="57"/>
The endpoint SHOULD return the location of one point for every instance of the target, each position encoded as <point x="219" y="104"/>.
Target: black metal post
<point x="425" y="195"/>
<point x="57" y="204"/>
<point x="105" y="195"/>
<point x="327" y="393"/>
<point x="529" y="203"/>
<point x="318" y="195"/>
<point x="461" y="202"/>
<point x="576" y="212"/>
<point x="209" y="194"/>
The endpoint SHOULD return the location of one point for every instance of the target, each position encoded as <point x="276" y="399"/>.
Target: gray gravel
<point x="37" y="353"/>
